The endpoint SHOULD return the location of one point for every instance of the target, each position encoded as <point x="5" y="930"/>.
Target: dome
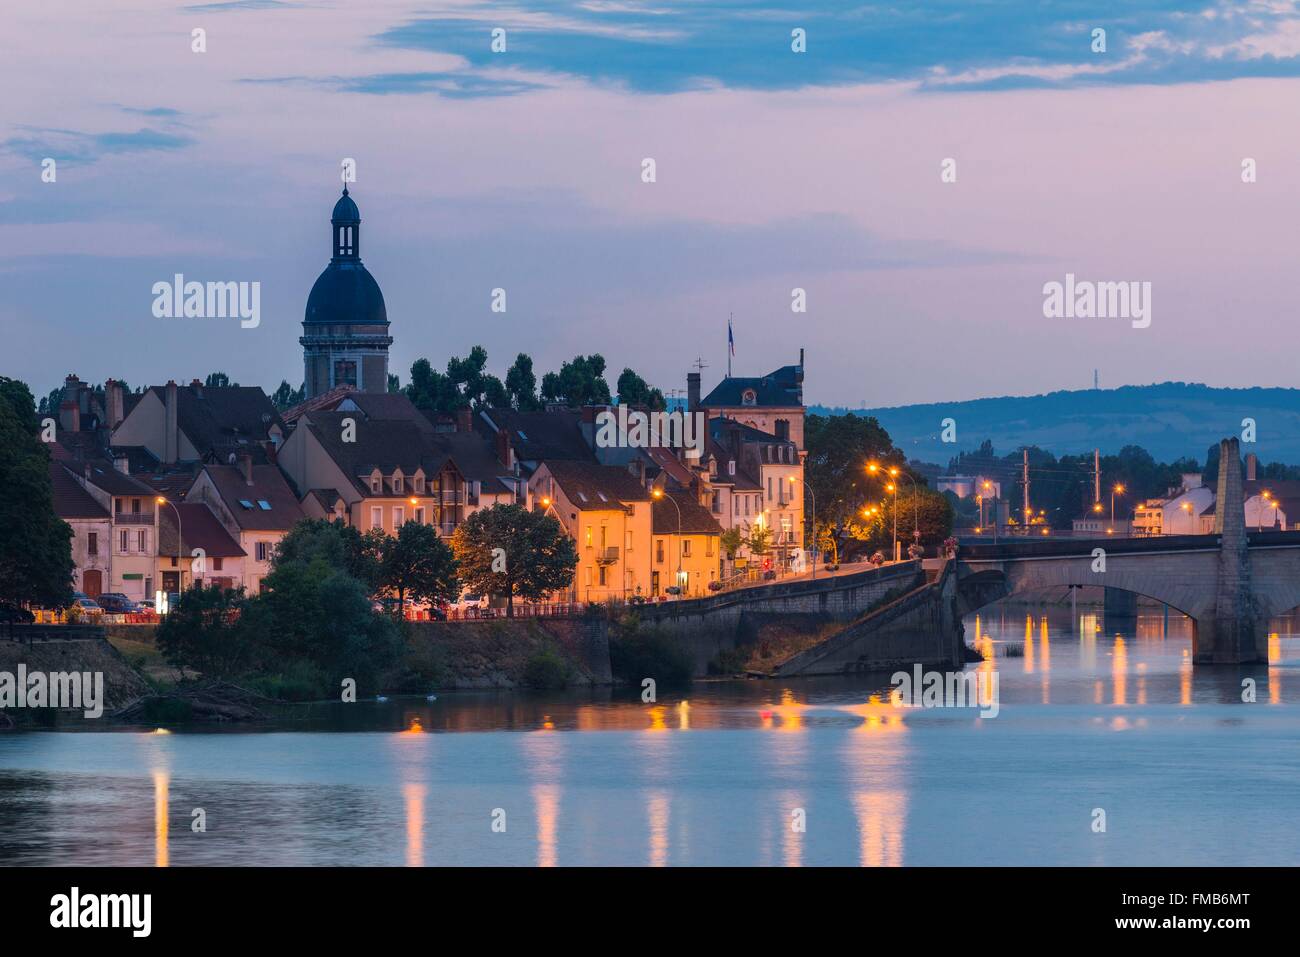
<point x="346" y="294"/>
<point x="345" y="210"/>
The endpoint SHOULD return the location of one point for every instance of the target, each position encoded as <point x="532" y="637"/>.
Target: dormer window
<point x="731" y="467"/>
<point x="376" y="484"/>
<point x="749" y="397"/>
<point x="419" y="483"/>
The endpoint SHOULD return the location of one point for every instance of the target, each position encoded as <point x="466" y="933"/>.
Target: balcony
<point x="133" y="518"/>
<point x="607" y="555"/>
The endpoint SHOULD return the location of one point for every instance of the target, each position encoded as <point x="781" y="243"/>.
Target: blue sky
<point x="776" y="170"/>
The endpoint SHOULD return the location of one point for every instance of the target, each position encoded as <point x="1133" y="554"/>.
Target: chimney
<point x="692" y="391"/>
<point x="246" y="467"/>
<point x="114" y="404"/>
<point x="69" y="414"/>
<point x="1252" y="463"/>
<point x="505" y="454"/>
<point x="196" y="387"/>
<point x="171" y="427"/>
<point x="122" y="463"/>
<point x="465" y="419"/>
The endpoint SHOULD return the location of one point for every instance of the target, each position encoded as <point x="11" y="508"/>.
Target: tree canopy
<point x="35" y="544"/>
<point x="511" y="551"/>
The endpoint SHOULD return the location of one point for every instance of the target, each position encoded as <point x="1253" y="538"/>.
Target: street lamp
<point x="813" y="526"/>
<point x="658" y="493"/>
<point x="893" y="487"/>
<point x="180" y="572"/>
<point x="1259" y="512"/>
<point x="988" y="486"/>
<point x="1117" y="489"/>
<point x="916" y="521"/>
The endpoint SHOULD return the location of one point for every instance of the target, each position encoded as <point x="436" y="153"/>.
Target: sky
<point x="775" y="170"/>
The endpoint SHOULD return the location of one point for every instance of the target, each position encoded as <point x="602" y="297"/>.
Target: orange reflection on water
<point x="658" y="809"/>
<point x="1185" y="679"/>
<point x="1029" y="645"/>
<point x="1046" y="648"/>
<point x="547" y="799"/>
<point x="1274" y="672"/>
<point x="160" y="792"/>
<point x="1119" y="670"/>
<point x="414" y="796"/>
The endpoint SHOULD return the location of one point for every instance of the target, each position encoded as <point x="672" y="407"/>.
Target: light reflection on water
<point x="1090" y="717"/>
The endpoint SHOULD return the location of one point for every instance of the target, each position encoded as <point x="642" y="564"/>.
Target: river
<point x="826" y="771"/>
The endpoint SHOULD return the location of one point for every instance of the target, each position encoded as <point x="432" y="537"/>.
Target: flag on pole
<point x="731" y="340"/>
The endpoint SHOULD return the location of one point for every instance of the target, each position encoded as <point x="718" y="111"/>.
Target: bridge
<point x="1228" y="583"/>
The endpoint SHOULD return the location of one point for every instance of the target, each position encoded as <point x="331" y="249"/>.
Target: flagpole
<point x="729" y="341"/>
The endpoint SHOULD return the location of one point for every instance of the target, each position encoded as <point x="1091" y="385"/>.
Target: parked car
<point x="15" y="615"/>
<point x="117" y="603"/>
<point x="86" y="607"/>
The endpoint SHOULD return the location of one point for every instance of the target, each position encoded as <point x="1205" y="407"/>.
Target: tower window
<point x="345" y="372"/>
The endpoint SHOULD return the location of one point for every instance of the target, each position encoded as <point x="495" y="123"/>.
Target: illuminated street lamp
<point x="180" y="571"/>
<point x="658" y="493"/>
<point x="916" y="521"/>
<point x="1118" y="489"/>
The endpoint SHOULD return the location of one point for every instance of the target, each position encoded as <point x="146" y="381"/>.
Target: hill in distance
<point x="1170" y="420"/>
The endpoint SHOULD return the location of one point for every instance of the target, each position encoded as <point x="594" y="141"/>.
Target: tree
<point x="731" y="540"/>
<point x="759" y="541"/>
<point x="521" y="384"/>
<point x="430" y="390"/>
<point x="35" y="544"/>
<point x="338" y="545"/>
<point x="511" y="551"/>
<point x="417" y="564"/>
<point x="316" y="613"/>
<point x="579" y="382"/>
<point x="633" y="390"/>
<point x="218" y="380"/>
<point x="204" y="632"/>
<point x="839" y="450"/>
<point x="394" y="383"/>
<point x="286" y="397"/>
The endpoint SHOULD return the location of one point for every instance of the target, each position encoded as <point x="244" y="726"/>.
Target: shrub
<point x="546" y="670"/>
<point x="296" y="681"/>
<point x="730" y="661"/>
<point x="637" y="653"/>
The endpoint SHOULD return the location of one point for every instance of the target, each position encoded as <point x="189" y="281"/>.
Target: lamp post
<point x="1117" y="489"/>
<point x="813" y="525"/>
<point x="873" y="468"/>
<point x="988" y="487"/>
<point x="916" y="521"/>
<point x="180" y="572"/>
<point x="658" y="493"/>
<point x="1259" y="511"/>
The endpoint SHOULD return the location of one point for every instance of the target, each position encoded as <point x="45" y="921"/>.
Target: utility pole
<point x="1025" y="481"/>
<point x="1096" y="476"/>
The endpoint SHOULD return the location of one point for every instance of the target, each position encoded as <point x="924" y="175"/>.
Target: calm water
<point x="1186" y="773"/>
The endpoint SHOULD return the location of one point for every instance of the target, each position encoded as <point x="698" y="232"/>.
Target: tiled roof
<point x="269" y="487"/>
<point x="784" y="387"/>
<point x="593" y="487"/>
<point x="695" y="518"/>
<point x="102" y="474"/>
<point x="70" y="499"/>
<point x="382" y="444"/>
<point x="326" y="400"/>
<point x="219" y="418"/>
<point x="537" y="436"/>
<point x="199" y="529"/>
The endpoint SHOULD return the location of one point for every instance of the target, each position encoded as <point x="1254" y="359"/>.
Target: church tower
<point x="345" y="336"/>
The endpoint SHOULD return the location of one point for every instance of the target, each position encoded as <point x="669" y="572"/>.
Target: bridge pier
<point x="1119" y="609"/>
<point x="1234" y="634"/>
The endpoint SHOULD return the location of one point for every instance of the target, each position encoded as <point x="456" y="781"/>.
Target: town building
<point x="345" y="336"/>
<point x="686" y="544"/>
<point x="772" y="403"/>
<point x="607" y="513"/>
<point x="200" y="552"/>
<point x="92" y="531"/>
<point x="257" y="508"/>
